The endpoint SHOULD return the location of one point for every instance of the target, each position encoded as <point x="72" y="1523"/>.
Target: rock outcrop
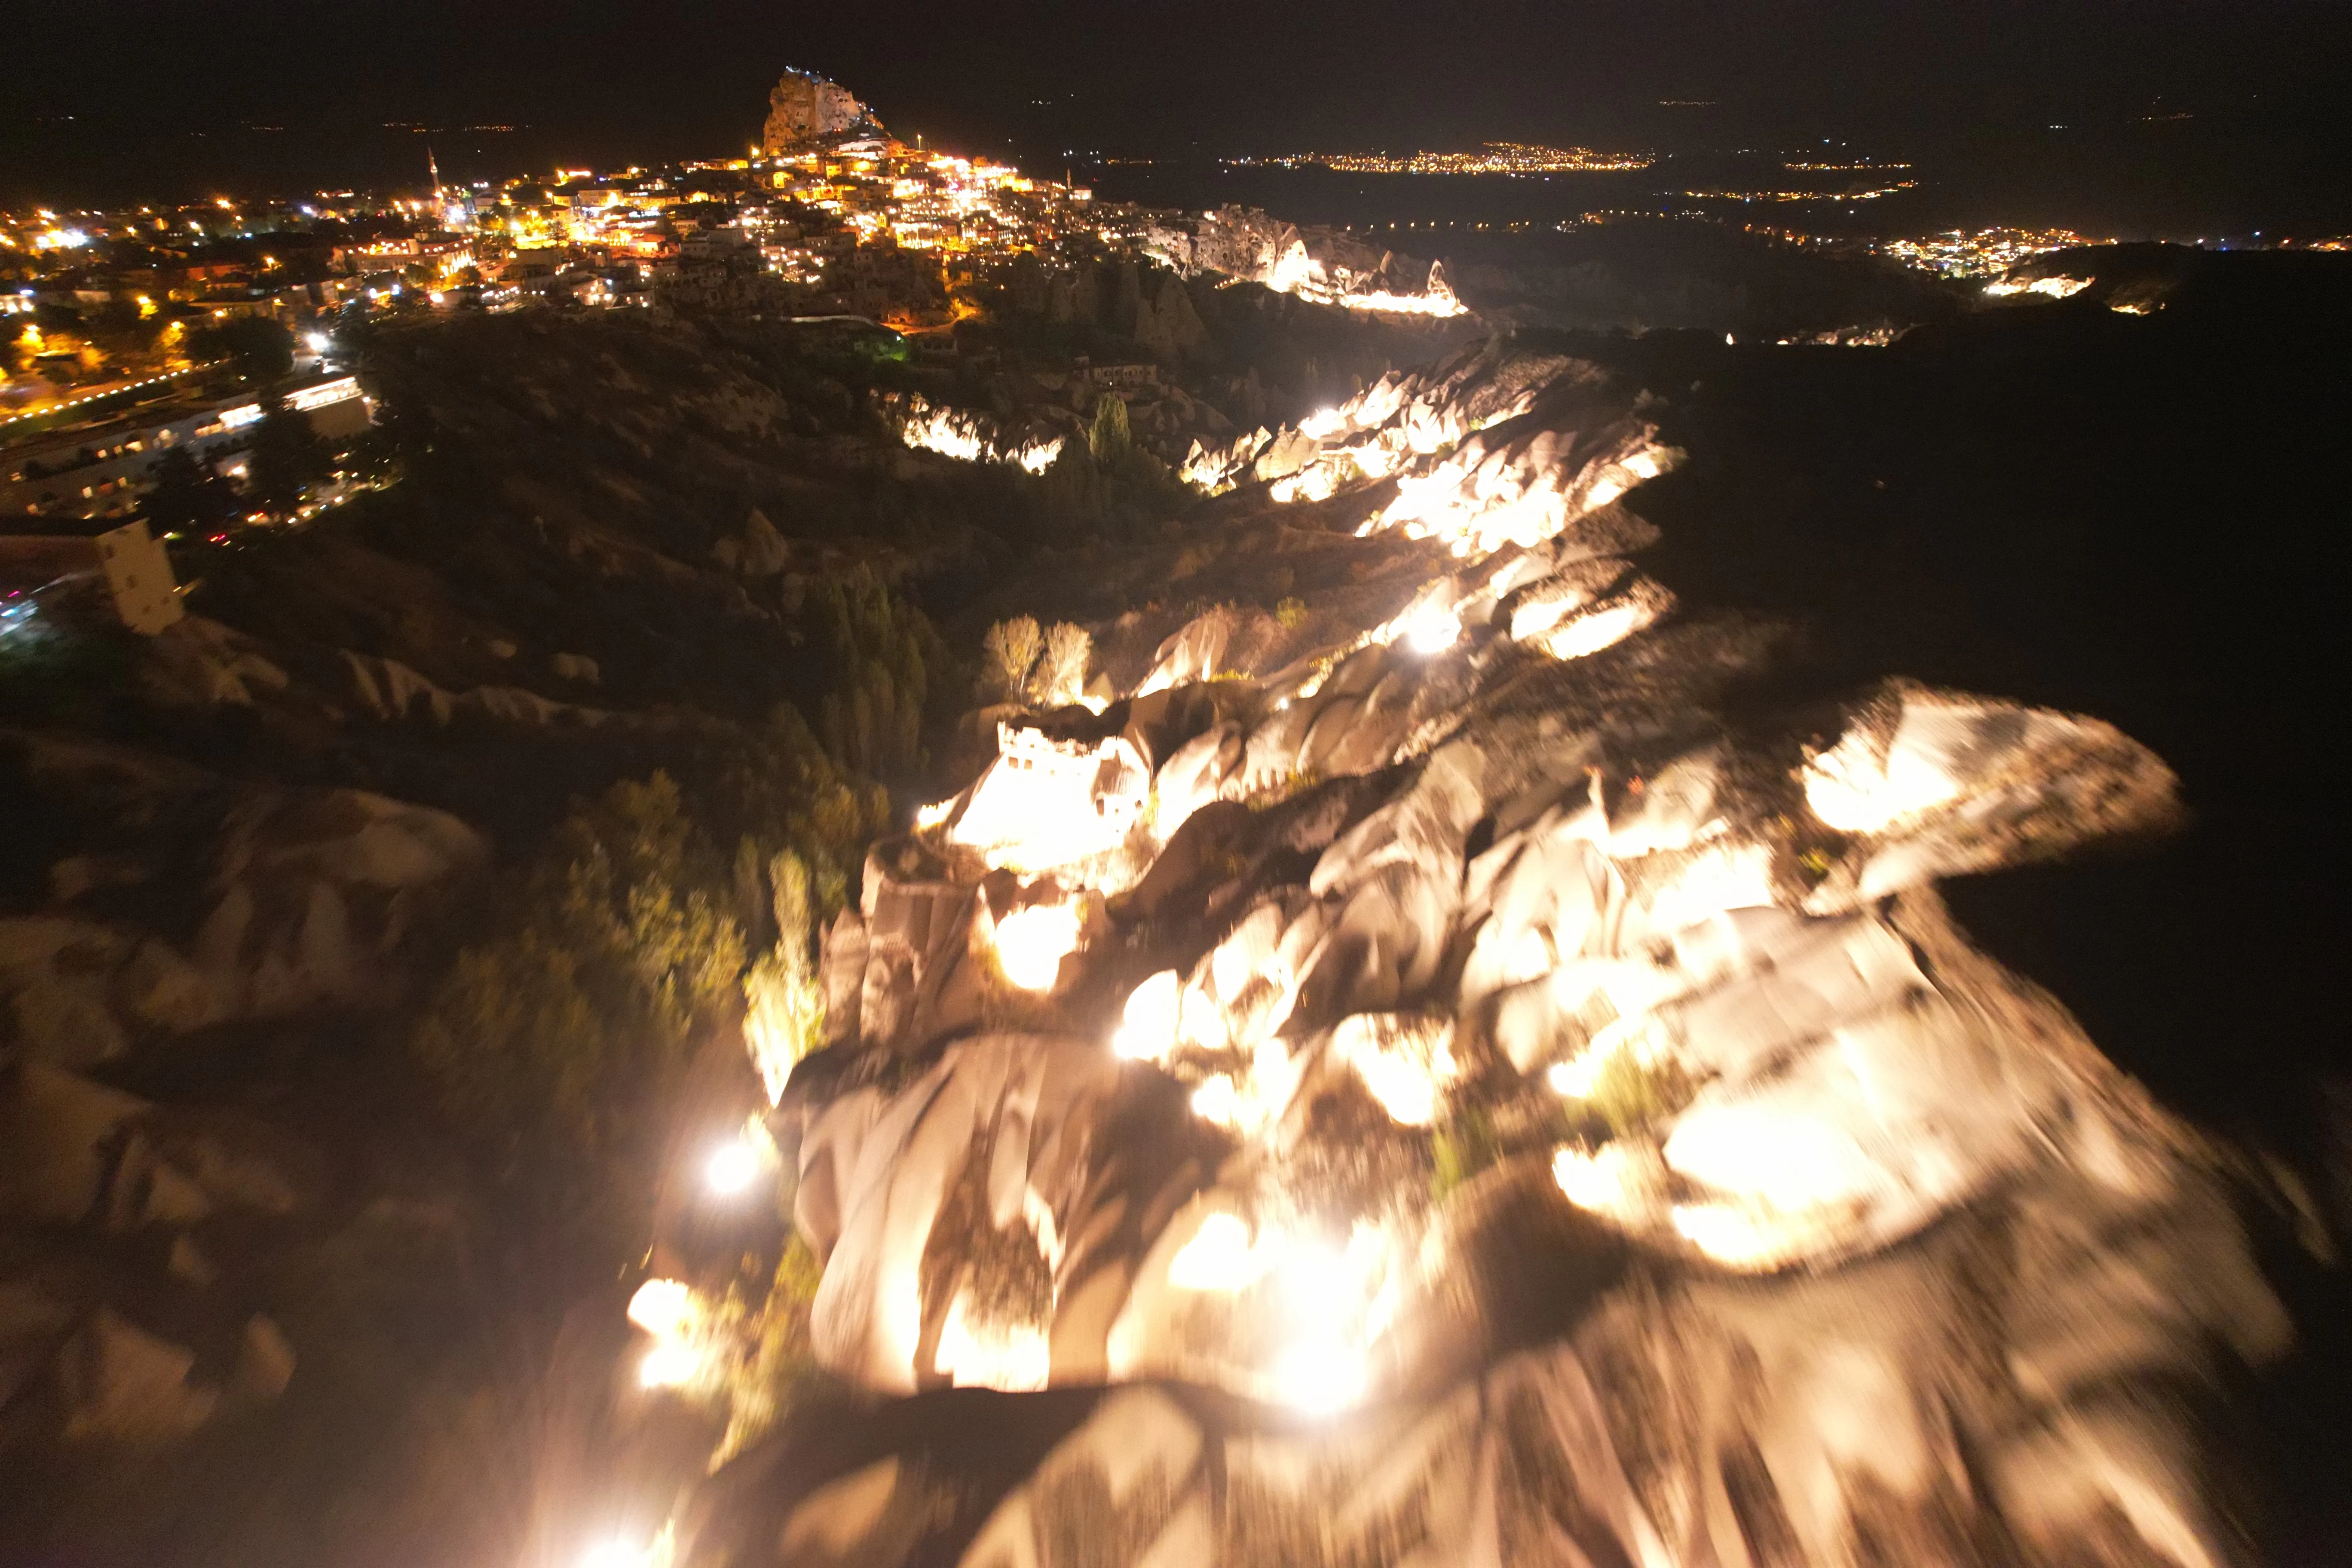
<point x="116" y="1349"/>
<point x="1486" y="1091"/>
<point x="805" y="110"/>
<point x="149" y="1240"/>
<point x="280" y="901"/>
<point x="1325" y="265"/>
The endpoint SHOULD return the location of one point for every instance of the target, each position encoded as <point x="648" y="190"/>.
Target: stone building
<point x="126" y="560"/>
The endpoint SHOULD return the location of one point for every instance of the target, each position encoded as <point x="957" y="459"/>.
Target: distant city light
<point x="1493" y="158"/>
<point x="1981" y="253"/>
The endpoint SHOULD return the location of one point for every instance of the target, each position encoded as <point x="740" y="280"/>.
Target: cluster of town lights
<point x="1494" y="158"/>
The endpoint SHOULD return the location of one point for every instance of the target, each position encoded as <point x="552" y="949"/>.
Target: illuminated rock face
<point x="1553" y="1103"/>
<point x="1487" y="453"/>
<point x="804" y="109"/>
<point x="971" y="438"/>
<point x="1323" y="265"/>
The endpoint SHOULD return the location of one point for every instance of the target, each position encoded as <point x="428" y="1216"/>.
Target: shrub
<point x="782" y="1365"/>
<point x="783" y="1018"/>
<point x="557" y="1040"/>
<point x="1628" y="1094"/>
<point x="1461" y="1146"/>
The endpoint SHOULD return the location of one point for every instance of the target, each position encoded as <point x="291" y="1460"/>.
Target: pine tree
<point x="1108" y="440"/>
<point x="288" y="457"/>
<point x="187" y="497"/>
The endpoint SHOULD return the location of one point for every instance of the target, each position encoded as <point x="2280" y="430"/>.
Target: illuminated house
<point x="130" y="565"/>
<point x="99" y="472"/>
<point x="1045" y="803"/>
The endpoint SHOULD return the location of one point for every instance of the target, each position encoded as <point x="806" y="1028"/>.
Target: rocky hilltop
<point x="1421" y="1014"/>
<point x="1452" y="1074"/>
<point x="805" y="108"/>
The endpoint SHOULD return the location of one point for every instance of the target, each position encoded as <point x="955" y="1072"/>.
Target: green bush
<point x="782" y="1367"/>
<point x="1628" y="1094"/>
<point x="559" y="1039"/>
<point x="1461" y="1146"/>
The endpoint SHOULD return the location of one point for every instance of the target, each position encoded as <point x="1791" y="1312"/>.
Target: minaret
<point x="432" y="166"/>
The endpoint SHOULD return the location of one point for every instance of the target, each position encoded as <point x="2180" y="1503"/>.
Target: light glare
<point x="1320" y="1377"/>
<point x="732" y="1167"/>
<point x="668" y="1366"/>
<point x="1031" y="943"/>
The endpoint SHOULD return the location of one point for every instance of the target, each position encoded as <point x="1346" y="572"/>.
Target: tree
<point x="1060" y="677"/>
<point x="1009" y="653"/>
<point x="289" y="457"/>
<point x="187" y="497"/>
<point x="883" y="650"/>
<point x="1108" y="439"/>
<point x="118" y="328"/>
<point x="260" y="350"/>
<point x="783" y="1006"/>
<point x="775" y="788"/>
<point x="1110" y="485"/>
<point x="559" y="1039"/>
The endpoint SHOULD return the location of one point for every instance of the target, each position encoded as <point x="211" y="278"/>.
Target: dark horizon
<point x="2201" y="113"/>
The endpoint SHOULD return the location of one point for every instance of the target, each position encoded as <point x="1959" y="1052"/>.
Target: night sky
<point x="168" y="101"/>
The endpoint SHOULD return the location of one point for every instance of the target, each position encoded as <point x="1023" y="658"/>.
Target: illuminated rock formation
<point x="1478" y="1094"/>
<point x="1324" y="265"/>
<point x="1484" y="456"/>
<point x="973" y="437"/>
<point x="804" y="109"/>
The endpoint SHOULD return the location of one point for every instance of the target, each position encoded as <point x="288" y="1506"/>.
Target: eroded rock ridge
<point x="1480" y="1090"/>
